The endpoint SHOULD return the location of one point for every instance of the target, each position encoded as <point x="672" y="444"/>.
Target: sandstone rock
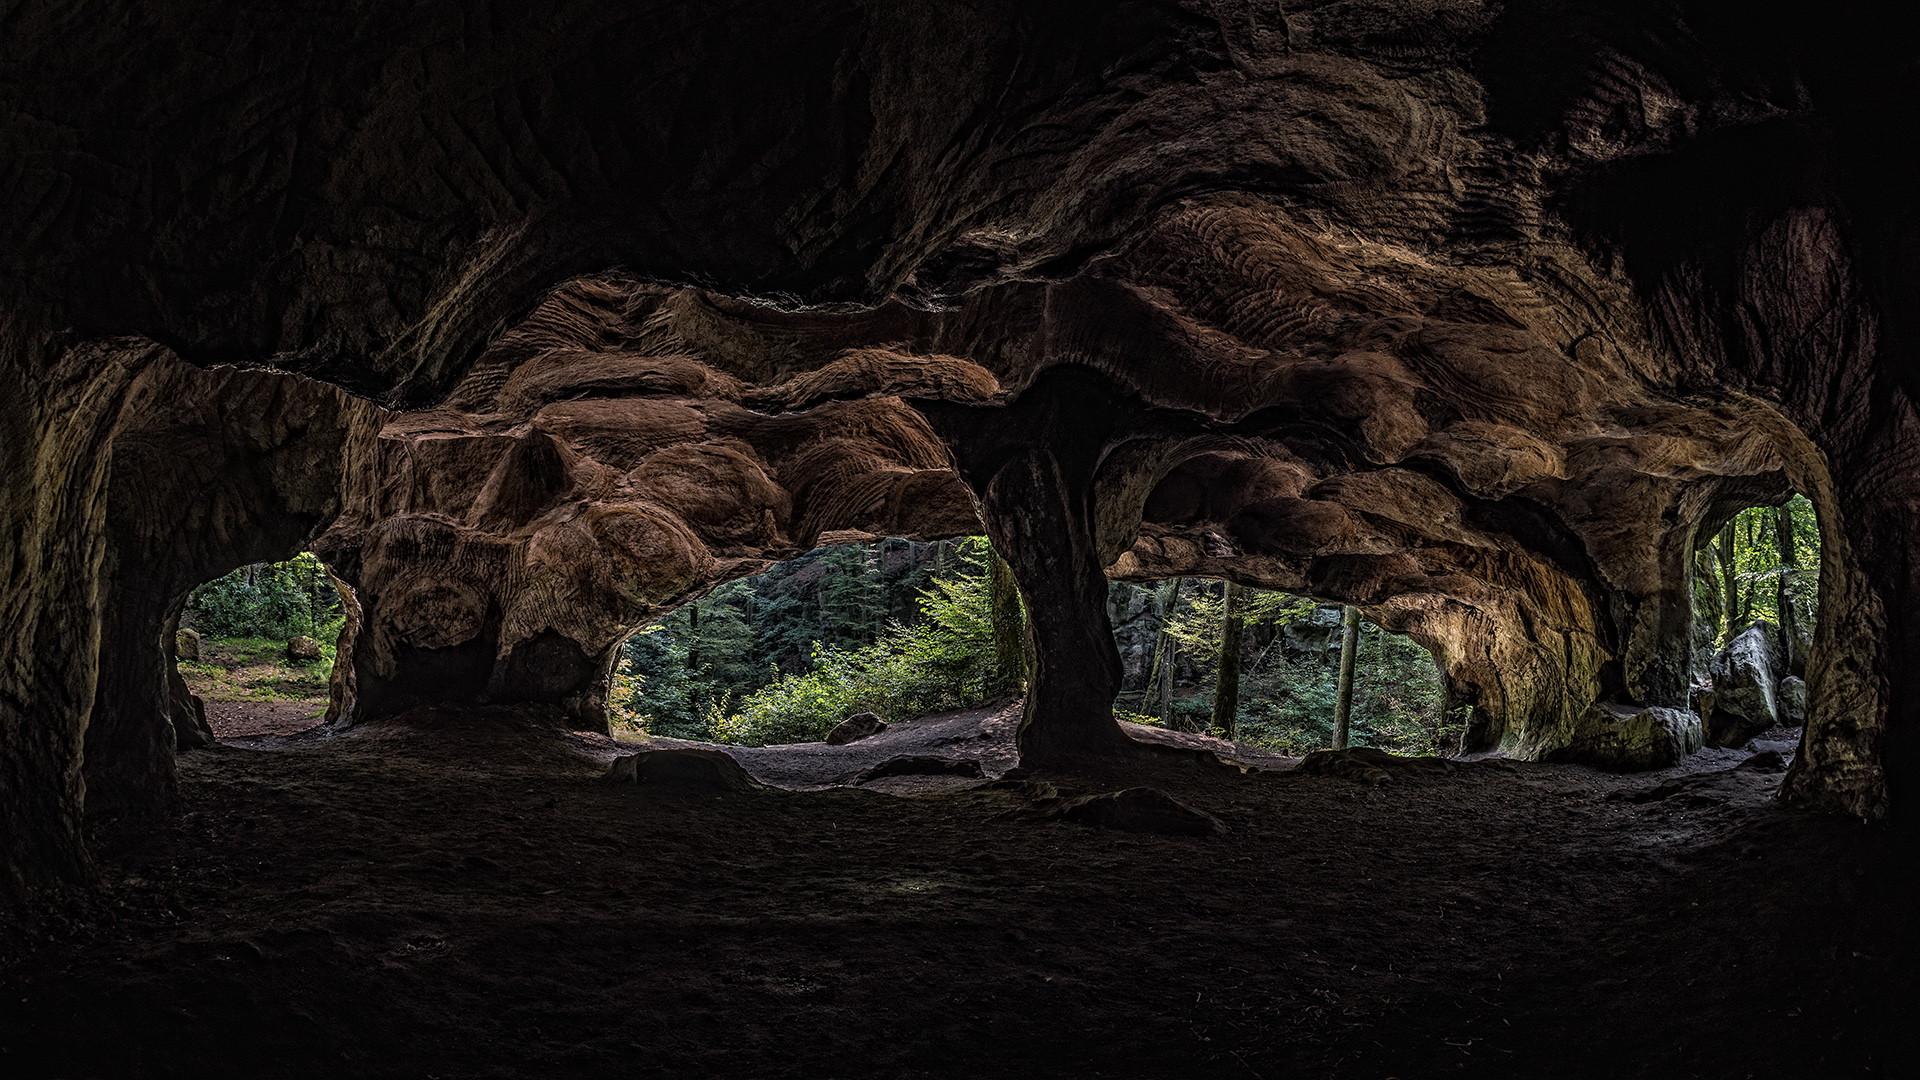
<point x="1792" y="699"/>
<point x="1629" y="739"/>
<point x="1745" y="687"/>
<point x="856" y="727"/>
<point x="186" y="643"/>
<point x="921" y="765"/>
<point x="303" y="650"/>
<point x="688" y="769"/>
<point x="1139" y="810"/>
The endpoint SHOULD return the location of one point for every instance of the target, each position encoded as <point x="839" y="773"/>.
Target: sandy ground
<point x="459" y="895"/>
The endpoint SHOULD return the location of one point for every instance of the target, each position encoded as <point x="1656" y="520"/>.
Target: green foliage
<point x="1759" y="570"/>
<point x="273" y="601"/>
<point x="1395" y="701"/>
<point x="945" y="661"/>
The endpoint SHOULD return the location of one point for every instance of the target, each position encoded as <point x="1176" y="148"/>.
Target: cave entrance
<point x="1173" y="642"/>
<point x="1755" y="597"/>
<point x="259" y="646"/>
<point x="895" y="627"/>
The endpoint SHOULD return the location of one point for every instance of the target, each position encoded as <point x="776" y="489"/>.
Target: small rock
<point x="303" y="650"/>
<point x="856" y="727"/>
<point x="921" y="765"/>
<point x="186" y="643"/>
<point x="1631" y="739"/>
<point x="1140" y="810"/>
<point x="1792" y="696"/>
<point x="684" y="770"/>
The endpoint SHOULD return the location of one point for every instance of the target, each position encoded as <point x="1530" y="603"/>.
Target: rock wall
<point x="211" y="470"/>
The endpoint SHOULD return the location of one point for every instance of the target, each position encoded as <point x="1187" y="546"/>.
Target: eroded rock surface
<point x="1620" y="739"/>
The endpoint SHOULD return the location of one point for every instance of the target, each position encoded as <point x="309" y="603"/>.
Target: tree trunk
<point x="1165" y="651"/>
<point x="1789" y="619"/>
<point x="1445" y="704"/>
<point x="1343" y="701"/>
<point x="1226" y="690"/>
<point x="1009" y="626"/>
<point x="1730" y="579"/>
<point x="693" y="638"/>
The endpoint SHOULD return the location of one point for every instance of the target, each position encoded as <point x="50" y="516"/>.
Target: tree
<point x="1165" y="648"/>
<point x="1009" y="625"/>
<point x="1343" y="702"/>
<point x="1226" y="688"/>
<point x="1783" y="596"/>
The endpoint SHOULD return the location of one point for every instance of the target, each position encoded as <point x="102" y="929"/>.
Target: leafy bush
<point x="943" y="662"/>
<point x="275" y="601"/>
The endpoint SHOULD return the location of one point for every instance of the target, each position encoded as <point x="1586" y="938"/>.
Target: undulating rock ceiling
<point x="1472" y="314"/>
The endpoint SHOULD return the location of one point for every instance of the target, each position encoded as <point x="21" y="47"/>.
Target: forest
<point x="902" y="629"/>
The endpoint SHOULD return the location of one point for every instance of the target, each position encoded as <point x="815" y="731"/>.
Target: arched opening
<point x="893" y="628"/>
<point x="1284" y="675"/>
<point x="259" y="647"/>
<point x="1756" y="597"/>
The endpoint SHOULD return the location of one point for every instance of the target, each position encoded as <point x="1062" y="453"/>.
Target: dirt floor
<point x="459" y="895"/>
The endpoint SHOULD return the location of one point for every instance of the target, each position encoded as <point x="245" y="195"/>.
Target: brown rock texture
<point x="1474" y="315"/>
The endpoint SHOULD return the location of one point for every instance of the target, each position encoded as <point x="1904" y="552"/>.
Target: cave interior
<point x="533" y="326"/>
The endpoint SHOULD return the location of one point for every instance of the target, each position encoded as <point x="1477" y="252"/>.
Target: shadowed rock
<point x="1366" y="765"/>
<point x="682" y="770"/>
<point x="921" y="765"/>
<point x="1623" y="739"/>
<point x="1139" y="810"/>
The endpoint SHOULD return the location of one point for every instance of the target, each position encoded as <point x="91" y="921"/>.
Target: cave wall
<point x="1664" y="207"/>
<point x="211" y="470"/>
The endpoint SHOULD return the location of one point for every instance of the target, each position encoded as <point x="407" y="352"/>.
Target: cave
<point x="536" y="326"/>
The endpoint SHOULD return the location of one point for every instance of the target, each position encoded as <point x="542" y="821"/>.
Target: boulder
<point x="1366" y="765"/>
<point x="1745" y="687"/>
<point x="186" y="643"/>
<point x="921" y="765"/>
<point x="684" y="770"/>
<point x="1631" y="739"/>
<point x="856" y="727"/>
<point x="1139" y="810"/>
<point x="303" y="650"/>
<point x="1792" y="699"/>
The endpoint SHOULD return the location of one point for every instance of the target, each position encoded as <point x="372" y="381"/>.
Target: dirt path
<point x="461" y="896"/>
<point x="245" y="719"/>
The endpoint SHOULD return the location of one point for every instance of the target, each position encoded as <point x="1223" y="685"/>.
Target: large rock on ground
<point x="1791" y="696"/>
<point x="1140" y="810"/>
<point x="682" y="770"/>
<point x="1745" y="687"/>
<point x="856" y="727"/>
<point x="921" y="765"/>
<point x="1629" y="739"/>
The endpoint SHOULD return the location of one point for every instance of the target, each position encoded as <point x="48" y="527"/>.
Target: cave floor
<point x="463" y="898"/>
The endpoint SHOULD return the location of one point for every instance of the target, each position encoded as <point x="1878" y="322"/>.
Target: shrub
<point x="943" y="662"/>
<point x="275" y="601"/>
